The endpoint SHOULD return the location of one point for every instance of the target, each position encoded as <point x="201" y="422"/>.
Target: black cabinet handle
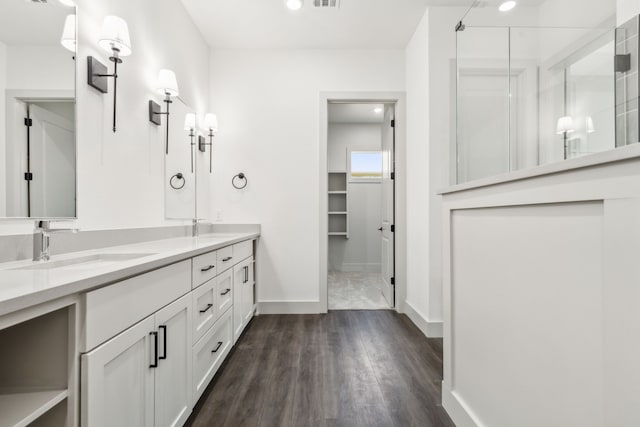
<point x="207" y="268"/>
<point x="226" y="292"/>
<point x="164" y="341"/>
<point x="204" y="310"/>
<point x="217" y="348"/>
<point x="227" y="259"/>
<point x="155" y="346"/>
<point x="246" y="274"/>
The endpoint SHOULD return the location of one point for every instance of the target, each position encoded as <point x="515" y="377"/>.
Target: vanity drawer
<point x="114" y="308"/>
<point x="209" y="353"/>
<point x="204" y="268"/>
<point x="205" y="309"/>
<point x="225" y="291"/>
<point x="225" y="258"/>
<point x="242" y="250"/>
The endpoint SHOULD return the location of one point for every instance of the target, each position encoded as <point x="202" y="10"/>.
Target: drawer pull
<point x="204" y="310"/>
<point x="226" y="292"/>
<point x="246" y="274"/>
<point x="227" y="259"/>
<point x="154" y="364"/>
<point x="207" y="268"/>
<point x="164" y="340"/>
<point x="217" y="348"/>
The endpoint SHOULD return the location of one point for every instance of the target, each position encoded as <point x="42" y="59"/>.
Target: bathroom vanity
<point x="126" y="335"/>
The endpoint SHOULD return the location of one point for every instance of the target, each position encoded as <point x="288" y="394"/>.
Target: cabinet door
<point x="247" y="291"/>
<point x="173" y="375"/>
<point x="118" y="380"/>
<point x="238" y="315"/>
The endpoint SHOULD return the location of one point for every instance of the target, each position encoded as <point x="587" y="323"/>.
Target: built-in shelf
<point x="338" y="204"/>
<point x="21" y="409"/>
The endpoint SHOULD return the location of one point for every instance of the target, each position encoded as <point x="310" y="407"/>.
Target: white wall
<point x="267" y="103"/>
<point x="362" y="251"/>
<point x="627" y="9"/>
<point x="120" y="176"/>
<point x="420" y="284"/>
<point x="3" y="82"/>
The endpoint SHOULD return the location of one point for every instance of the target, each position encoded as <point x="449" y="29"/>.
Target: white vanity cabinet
<point x="135" y="352"/>
<point x="243" y="300"/>
<point x="142" y="376"/>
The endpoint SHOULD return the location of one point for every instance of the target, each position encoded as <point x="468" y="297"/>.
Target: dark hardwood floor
<point x="345" y="368"/>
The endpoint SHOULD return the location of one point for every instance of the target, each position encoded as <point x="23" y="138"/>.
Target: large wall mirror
<point x="37" y="109"/>
<point x="180" y="173"/>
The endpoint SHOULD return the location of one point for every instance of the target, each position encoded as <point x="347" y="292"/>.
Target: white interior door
<point x="387" y="235"/>
<point x="53" y="164"/>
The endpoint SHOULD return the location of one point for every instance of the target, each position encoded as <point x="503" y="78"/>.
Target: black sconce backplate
<point x="202" y="146"/>
<point x="94" y="69"/>
<point x="155" y="113"/>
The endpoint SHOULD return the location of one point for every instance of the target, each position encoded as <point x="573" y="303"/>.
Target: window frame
<point x="353" y="179"/>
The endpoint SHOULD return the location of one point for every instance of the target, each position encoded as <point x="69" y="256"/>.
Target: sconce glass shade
<point x="167" y="83"/>
<point x="68" y="39"/>
<point x="115" y="35"/>
<point x="190" y="121"/>
<point x="211" y="122"/>
<point x="589" y="124"/>
<point x="565" y="124"/>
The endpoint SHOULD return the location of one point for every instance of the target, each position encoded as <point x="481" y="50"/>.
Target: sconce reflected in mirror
<point x="211" y="124"/>
<point x="190" y="125"/>
<point x="68" y="39"/>
<point x="115" y="40"/>
<point x="168" y="86"/>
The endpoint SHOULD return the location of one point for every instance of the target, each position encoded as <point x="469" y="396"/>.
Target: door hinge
<point x="393" y="123"/>
<point x="393" y="280"/>
<point x="393" y="175"/>
<point x="28" y="121"/>
<point x="393" y="228"/>
<point x="28" y="176"/>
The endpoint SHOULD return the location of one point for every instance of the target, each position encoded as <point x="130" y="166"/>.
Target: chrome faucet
<point x="41" y="236"/>
<point x="195" y="227"/>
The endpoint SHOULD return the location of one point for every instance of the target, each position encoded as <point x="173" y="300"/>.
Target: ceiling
<point x="355" y="113"/>
<point x="364" y="24"/>
<point x="29" y="23"/>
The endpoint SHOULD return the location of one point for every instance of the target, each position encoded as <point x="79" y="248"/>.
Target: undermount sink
<point x="84" y="262"/>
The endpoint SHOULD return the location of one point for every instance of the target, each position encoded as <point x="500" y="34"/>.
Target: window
<point x="365" y="166"/>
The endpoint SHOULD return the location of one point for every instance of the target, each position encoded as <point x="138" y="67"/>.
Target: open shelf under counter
<point x="21" y="408"/>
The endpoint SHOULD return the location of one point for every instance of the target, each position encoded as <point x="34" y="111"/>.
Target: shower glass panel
<point x="528" y="96"/>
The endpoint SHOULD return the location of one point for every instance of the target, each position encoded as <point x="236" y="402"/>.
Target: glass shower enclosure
<point x="531" y="95"/>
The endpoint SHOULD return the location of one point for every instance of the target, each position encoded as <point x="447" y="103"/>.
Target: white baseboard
<point x="460" y="413"/>
<point x="431" y="329"/>
<point x="289" y="307"/>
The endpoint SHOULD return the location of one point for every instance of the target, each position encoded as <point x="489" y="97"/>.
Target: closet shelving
<point x="338" y="204"/>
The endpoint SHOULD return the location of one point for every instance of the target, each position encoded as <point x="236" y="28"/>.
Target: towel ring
<point x="241" y="177"/>
<point x="180" y="177"/>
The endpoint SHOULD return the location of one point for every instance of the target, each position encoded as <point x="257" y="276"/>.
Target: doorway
<point x="360" y="205"/>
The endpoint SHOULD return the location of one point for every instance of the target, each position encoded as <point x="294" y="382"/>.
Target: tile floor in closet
<point x="355" y="291"/>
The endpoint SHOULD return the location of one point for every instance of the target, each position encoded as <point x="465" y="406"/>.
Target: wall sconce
<point x="190" y="125"/>
<point x="168" y="86"/>
<point x="565" y="127"/>
<point x="68" y="39"/>
<point x="211" y="124"/>
<point x="115" y="40"/>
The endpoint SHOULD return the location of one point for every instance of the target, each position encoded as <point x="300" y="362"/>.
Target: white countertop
<point x="20" y="289"/>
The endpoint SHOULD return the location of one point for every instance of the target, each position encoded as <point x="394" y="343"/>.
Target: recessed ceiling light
<point x="507" y="6"/>
<point x="377" y="110"/>
<point x="294" y="4"/>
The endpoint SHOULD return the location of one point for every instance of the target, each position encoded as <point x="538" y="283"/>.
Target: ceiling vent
<point x="326" y="4"/>
<point x="37" y="1"/>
